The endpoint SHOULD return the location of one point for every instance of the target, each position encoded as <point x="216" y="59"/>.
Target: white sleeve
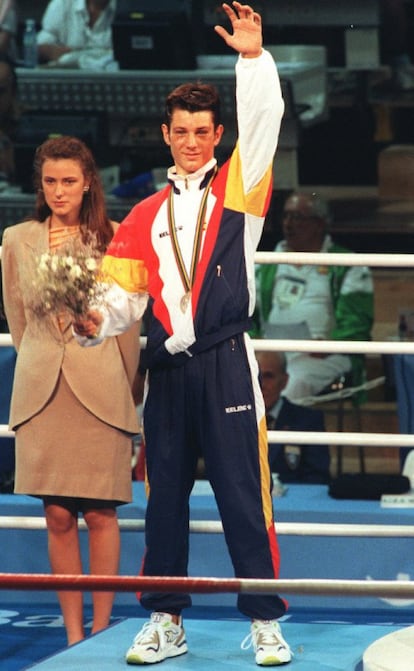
<point x="260" y="109"/>
<point x="53" y="23"/>
<point x="120" y="309"/>
<point x="358" y="278"/>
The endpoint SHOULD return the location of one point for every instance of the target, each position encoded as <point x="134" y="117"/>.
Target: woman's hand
<point x="88" y="325"/>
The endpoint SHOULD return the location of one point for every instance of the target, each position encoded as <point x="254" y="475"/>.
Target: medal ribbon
<point x="188" y="279"/>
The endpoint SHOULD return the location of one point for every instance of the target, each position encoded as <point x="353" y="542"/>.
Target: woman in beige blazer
<point x="72" y="408"/>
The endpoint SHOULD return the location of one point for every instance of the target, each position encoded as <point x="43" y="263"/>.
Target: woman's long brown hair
<point x="93" y="217"/>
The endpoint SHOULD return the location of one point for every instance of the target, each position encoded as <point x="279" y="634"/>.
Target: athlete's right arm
<point x="118" y="311"/>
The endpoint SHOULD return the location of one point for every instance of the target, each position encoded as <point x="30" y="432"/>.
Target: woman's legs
<point x="65" y="558"/>
<point x="104" y="551"/>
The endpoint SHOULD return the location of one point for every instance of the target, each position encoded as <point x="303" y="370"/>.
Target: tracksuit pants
<point x="207" y="407"/>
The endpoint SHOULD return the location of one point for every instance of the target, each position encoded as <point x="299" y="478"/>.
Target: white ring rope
<point x="378" y="588"/>
<point x="341" y="437"/>
<point x="319" y="438"/>
<point x="335" y="259"/>
<point x="216" y="527"/>
<point x="338" y="346"/>
<point x="335" y="346"/>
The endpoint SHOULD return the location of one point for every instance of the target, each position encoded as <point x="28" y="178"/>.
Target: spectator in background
<point x="9" y="118"/>
<point x="310" y="301"/>
<point x="8" y="28"/>
<point x="77" y="33"/>
<point x="395" y="43"/>
<point x="292" y="463"/>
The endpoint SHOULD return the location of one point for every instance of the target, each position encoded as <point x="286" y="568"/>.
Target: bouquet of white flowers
<point x="67" y="279"/>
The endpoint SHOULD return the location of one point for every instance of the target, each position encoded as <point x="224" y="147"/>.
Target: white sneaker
<point x="158" y="639"/>
<point x="269" y="645"/>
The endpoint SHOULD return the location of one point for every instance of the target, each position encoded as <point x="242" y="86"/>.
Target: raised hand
<point x="247" y="36"/>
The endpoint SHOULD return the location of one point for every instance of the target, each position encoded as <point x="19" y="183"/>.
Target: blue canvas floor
<point x="320" y="645"/>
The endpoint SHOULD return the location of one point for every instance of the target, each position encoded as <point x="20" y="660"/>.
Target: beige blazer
<point x="100" y="376"/>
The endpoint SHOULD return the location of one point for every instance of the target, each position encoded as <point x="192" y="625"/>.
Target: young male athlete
<point x="190" y="249"/>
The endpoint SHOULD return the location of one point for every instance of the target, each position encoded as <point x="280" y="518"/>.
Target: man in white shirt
<point x="329" y="302"/>
<point x="70" y="29"/>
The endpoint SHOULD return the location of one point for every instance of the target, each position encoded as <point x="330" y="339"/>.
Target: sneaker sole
<point x="132" y="658"/>
<point x="273" y="661"/>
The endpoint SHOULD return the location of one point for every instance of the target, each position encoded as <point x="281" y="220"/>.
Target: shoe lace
<point x="146" y="635"/>
<point x="247" y="642"/>
<point x="268" y="634"/>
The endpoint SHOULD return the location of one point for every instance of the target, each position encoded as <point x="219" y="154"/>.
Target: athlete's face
<point x="192" y="139"/>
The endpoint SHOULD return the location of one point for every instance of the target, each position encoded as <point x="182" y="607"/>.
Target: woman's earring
<point x="86" y="189"/>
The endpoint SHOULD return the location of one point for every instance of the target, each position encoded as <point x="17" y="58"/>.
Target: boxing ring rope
<point x="325" y="438"/>
<point x="44" y="582"/>
<point x="331" y="346"/>
<point x="336" y="259"/>
<point x="216" y="527"/>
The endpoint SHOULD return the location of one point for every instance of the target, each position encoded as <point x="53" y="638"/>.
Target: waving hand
<point x="247" y="35"/>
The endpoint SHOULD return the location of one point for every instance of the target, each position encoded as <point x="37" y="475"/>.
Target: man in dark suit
<point x="293" y="463"/>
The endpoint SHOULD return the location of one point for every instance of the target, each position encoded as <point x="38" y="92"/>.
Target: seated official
<point x="322" y="302"/>
<point x="293" y="463"/>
